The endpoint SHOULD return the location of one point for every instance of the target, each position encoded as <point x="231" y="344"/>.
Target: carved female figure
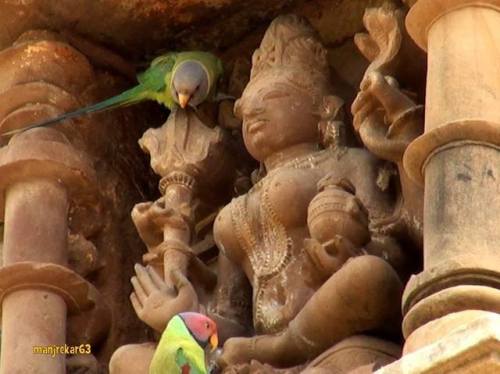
<point x="297" y="308"/>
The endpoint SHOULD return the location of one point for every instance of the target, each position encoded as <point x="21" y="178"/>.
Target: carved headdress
<point x="292" y="47"/>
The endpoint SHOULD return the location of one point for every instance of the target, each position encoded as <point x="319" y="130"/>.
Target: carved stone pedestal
<point x="471" y="347"/>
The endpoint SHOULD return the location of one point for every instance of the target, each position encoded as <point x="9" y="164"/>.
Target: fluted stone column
<point x="36" y="215"/>
<point x="42" y="175"/>
<point x="459" y="157"/>
<point x="39" y="173"/>
<point x="451" y="309"/>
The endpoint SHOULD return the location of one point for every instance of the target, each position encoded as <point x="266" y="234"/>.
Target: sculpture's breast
<point x="287" y="193"/>
<point x="278" y="203"/>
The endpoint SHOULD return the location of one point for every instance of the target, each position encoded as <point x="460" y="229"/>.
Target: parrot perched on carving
<point x="184" y="345"/>
<point x="174" y="79"/>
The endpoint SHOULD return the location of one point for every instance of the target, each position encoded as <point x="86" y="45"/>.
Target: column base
<point x="472" y="347"/>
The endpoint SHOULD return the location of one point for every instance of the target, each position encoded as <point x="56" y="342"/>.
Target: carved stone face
<point x="276" y="115"/>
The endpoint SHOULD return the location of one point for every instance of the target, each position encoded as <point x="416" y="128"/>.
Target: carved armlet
<point x="156" y="254"/>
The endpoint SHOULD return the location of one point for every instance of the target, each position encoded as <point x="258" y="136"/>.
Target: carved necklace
<point x="269" y="252"/>
<point x="309" y="161"/>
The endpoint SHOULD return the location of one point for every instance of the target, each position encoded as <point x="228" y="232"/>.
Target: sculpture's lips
<point x="255" y="125"/>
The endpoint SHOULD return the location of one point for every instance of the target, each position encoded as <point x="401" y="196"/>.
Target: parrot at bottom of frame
<point x="176" y="79"/>
<point x="185" y="345"/>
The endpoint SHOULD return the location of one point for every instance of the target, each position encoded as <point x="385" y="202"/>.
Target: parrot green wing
<point x="151" y="86"/>
<point x="176" y="349"/>
<point x="185" y="365"/>
<point x="153" y="78"/>
<point x="157" y="79"/>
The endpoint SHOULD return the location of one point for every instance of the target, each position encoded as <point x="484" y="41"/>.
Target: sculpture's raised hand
<point x="155" y="303"/>
<point x="386" y="119"/>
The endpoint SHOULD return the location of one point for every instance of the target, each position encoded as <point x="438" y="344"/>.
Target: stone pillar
<point x="36" y="229"/>
<point x="39" y="173"/>
<point x="43" y="177"/>
<point x="451" y="309"/>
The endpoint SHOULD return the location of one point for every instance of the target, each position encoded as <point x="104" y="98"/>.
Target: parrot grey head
<point x="190" y="83"/>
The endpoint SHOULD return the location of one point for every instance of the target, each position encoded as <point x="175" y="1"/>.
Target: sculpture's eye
<point x="275" y="95"/>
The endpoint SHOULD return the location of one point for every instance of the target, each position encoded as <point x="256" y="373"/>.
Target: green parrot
<point x="174" y="79"/>
<point x="183" y="345"/>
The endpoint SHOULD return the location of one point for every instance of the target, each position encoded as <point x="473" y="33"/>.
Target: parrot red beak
<point x="184" y="100"/>
<point x="214" y="342"/>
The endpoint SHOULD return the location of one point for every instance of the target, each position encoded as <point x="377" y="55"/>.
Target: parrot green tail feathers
<point x="174" y="79"/>
<point x="131" y="96"/>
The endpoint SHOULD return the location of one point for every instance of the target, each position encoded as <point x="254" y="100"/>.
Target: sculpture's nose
<point x="250" y="112"/>
<point x="248" y="106"/>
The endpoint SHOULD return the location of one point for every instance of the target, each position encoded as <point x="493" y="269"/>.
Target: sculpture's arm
<point x="232" y="300"/>
<point x="231" y="305"/>
<point x="387" y="121"/>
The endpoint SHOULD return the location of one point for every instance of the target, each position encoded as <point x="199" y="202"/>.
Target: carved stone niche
<point x="317" y="237"/>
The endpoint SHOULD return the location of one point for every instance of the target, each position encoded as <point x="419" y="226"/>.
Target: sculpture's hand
<point x="256" y="367"/>
<point x="330" y="256"/>
<point x="149" y="219"/>
<point x="272" y="349"/>
<point x="155" y="303"/>
<point x="386" y="119"/>
<point x="377" y="91"/>
<point x="338" y="224"/>
<point x="236" y="351"/>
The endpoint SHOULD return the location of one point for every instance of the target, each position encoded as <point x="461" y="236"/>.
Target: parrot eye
<point x="207" y="325"/>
